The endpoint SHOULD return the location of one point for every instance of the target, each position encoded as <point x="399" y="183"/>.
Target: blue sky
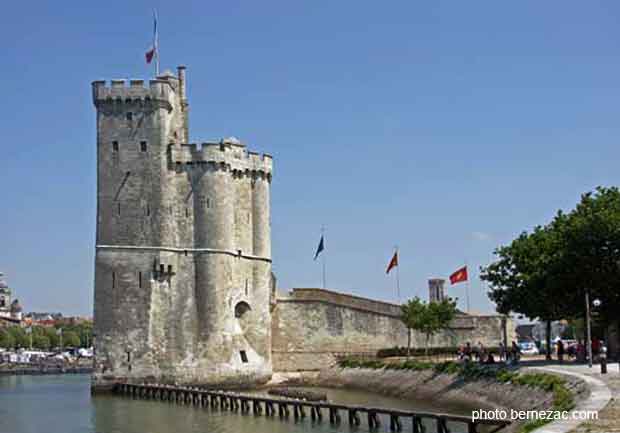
<point x="442" y="127"/>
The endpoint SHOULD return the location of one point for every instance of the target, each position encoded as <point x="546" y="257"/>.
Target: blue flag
<point x="320" y="248"/>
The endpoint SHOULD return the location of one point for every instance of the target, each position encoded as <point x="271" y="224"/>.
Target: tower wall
<point x="182" y="279"/>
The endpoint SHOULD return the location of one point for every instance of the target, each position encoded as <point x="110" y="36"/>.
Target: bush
<point x="420" y="351"/>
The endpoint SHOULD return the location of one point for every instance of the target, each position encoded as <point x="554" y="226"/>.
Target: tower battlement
<point x="118" y="92"/>
<point x="235" y="157"/>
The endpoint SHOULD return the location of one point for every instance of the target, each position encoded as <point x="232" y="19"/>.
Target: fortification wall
<point x="311" y="327"/>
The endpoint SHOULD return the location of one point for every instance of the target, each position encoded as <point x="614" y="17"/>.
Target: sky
<point x="444" y="128"/>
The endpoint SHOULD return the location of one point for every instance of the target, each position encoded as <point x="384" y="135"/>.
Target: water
<point x="63" y="404"/>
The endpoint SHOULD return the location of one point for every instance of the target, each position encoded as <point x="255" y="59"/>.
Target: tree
<point x="545" y="274"/>
<point x="40" y="341"/>
<point x="427" y="318"/>
<point x="21" y="338"/>
<point x="70" y="339"/>
<point x="50" y="333"/>
<point x="7" y="340"/>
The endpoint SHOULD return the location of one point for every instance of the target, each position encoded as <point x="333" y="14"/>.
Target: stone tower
<point x="436" y="291"/>
<point x="183" y="255"/>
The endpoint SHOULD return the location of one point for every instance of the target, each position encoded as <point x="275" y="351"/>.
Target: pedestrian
<point x="596" y="348"/>
<point x="581" y="352"/>
<point x="516" y="352"/>
<point x="560" y="351"/>
<point x="502" y="351"/>
<point x="481" y="352"/>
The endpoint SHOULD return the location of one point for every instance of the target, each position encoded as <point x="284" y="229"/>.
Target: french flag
<point x="152" y="52"/>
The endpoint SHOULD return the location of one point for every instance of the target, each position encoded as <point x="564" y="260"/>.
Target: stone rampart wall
<point x="311" y="327"/>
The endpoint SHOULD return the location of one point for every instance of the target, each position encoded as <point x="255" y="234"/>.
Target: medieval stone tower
<point x="183" y="257"/>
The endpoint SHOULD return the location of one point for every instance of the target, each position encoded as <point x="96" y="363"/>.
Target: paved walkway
<point x="604" y="398"/>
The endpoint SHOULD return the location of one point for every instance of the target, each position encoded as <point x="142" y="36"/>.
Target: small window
<point x="140" y="279"/>
<point x="208" y="202"/>
<point x="143" y="146"/>
<point x="113" y="280"/>
<point x="169" y="269"/>
<point x="148" y="210"/>
<point x="244" y="356"/>
<point x="115" y="146"/>
<point x="186" y="213"/>
<point x="130" y="116"/>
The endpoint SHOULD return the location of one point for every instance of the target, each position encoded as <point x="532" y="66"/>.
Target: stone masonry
<point x="312" y="327"/>
<point x="183" y="256"/>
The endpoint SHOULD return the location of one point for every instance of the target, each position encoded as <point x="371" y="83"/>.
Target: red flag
<point x="393" y="263"/>
<point x="459" y="276"/>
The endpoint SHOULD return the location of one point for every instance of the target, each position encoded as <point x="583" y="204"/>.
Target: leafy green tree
<point x="70" y="339"/>
<point x="427" y="318"/>
<point x="7" y="340"/>
<point x="546" y="273"/>
<point x="22" y="340"/>
<point x="40" y="341"/>
<point x="50" y="333"/>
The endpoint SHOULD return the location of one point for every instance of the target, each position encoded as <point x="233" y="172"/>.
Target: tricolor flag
<point x="393" y="263"/>
<point x="153" y="51"/>
<point x="320" y="248"/>
<point x="459" y="276"/>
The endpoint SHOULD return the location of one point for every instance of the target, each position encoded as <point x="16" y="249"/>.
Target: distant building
<point x="74" y="320"/>
<point x="8" y="310"/>
<point x="5" y="298"/>
<point x="436" y="291"/>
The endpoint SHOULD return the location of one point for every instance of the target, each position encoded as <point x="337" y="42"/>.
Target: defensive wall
<point x="311" y="327"/>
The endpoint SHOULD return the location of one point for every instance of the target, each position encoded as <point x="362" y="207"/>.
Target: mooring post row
<point x="229" y="400"/>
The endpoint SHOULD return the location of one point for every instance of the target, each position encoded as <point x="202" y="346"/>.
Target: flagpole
<point x="156" y="42"/>
<point x="397" y="277"/>
<point x="467" y="287"/>
<point x="323" y="258"/>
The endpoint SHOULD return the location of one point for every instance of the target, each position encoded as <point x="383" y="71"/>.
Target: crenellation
<point x="211" y="153"/>
<point x="119" y="93"/>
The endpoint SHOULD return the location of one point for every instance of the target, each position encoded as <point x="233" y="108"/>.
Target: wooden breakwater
<point x="299" y="409"/>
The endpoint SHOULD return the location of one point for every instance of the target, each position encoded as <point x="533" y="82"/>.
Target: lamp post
<point x="588" y="329"/>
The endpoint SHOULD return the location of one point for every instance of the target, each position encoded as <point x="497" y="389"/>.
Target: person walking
<point x="560" y="351"/>
<point x="502" y="351"/>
